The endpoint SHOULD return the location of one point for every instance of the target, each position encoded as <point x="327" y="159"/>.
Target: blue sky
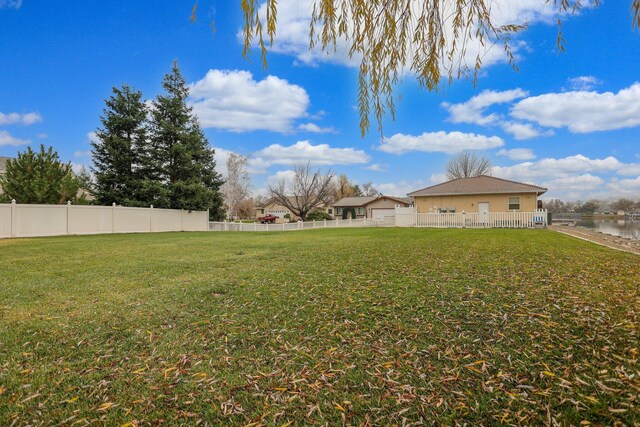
<point x="570" y="122"/>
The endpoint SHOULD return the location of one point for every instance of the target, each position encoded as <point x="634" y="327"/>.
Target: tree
<point x="186" y="164"/>
<point x="466" y="165"/>
<point x="622" y="204"/>
<point x="236" y="185"/>
<point x="118" y="152"/>
<point x="306" y="191"/>
<point x="369" y="190"/>
<point x="589" y="207"/>
<point x="246" y="209"/>
<point x="40" y="178"/>
<point x="389" y="37"/>
<point x="345" y="188"/>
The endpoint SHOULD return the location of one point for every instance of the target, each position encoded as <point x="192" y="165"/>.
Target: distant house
<point x="369" y="207"/>
<point x="270" y="207"/>
<point x="480" y="194"/>
<point x="3" y="167"/>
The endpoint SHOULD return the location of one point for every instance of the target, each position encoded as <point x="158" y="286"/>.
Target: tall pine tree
<point x="121" y="155"/>
<point x="187" y="164"/>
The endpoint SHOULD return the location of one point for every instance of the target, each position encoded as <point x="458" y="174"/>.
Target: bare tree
<point x="369" y="190"/>
<point x="622" y="204"/>
<point x="306" y="191"/>
<point x="466" y="165"/>
<point x="236" y="186"/>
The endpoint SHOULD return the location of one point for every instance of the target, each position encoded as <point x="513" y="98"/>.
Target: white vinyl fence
<point x="473" y="220"/>
<point x="18" y="220"/>
<point x="254" y="226"/>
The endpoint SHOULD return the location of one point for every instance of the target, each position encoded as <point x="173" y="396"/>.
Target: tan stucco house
<point x="369" y="207"/>
<point x="478" y="194"/>
<point x="3" y="167"/>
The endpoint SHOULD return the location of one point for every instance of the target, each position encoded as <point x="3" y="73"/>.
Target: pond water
<point x="622" y="228"/>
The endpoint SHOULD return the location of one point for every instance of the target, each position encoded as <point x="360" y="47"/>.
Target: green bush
<point x="319" y="216"/>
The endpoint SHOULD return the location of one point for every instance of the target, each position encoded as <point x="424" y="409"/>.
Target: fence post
<point x="14" y="219"/>
<point x="113" y="217"/>
<point x="349" y="221"/>
<point x="68" y="219"/>
<point x="314" y="223"/>
<point x="150" y="218"/>
<point x="325" y="223"/>
<point x="255" y="226"/>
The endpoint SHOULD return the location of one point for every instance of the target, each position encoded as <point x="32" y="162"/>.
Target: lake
<point x="622" y="228"/>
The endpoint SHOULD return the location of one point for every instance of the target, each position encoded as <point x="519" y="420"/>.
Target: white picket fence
<point x="473" y="220"/>
<point x="23" y="220"/>
<point x="290" y="226"/>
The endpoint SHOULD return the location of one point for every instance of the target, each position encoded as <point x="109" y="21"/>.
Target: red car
<point x="268" y="219"/>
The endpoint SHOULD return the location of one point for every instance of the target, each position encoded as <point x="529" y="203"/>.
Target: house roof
<point x="353" y="201"/>
<point x="363" y="201"/>
<point x="482" y="184"/>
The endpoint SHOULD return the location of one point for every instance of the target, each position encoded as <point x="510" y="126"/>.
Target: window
<point x="360" y="211"/>
<point x="330" y="211"/>
<point x="514" y="203"/>
<point x="338" y="211"/>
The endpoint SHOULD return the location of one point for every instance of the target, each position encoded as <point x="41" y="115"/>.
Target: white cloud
<point x="400" y="188"/>
<point x="583" y="112"/>
<point x="473" y="110"/>
<point x="286" y="175"/>
<point x="576" y="177"/>
<point x="442" y="142"/>
<point x="314" y="128"/>
<point x="10" y="4"/>
<point x="7" y="139"/>
<point x="522" y="131"/>
<point x="376" y="168"/>
<point x="20" y="119"/>
<point x="42" y="135"/>
<point x="583" y="83"/>
<point x="576" y="183"/>
<point x="517" y="153"/>
<point x="232" y="100"/>
<point x="626" y="187"/>
<point x="83" y="153"/>
<point x="564" y="167"/>
<point x="304" y="151"/>
<point x="92" y="137"/>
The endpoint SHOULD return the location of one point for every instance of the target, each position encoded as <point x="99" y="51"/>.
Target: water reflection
<point x="622" y="228"/>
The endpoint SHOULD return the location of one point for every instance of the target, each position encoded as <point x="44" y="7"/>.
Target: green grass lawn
<point x="321" y="327"/>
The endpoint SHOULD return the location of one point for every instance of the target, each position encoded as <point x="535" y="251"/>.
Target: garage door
<point x="381" y="213"/>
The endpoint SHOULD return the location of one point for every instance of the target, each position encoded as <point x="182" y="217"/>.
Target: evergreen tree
<point x="187" y="166"/>
<point x="121" y="154"/>
<point x="40" y="178"/>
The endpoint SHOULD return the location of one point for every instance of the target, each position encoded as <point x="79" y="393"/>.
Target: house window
<point x="338" y="211"/>
<point x="330" y="211"/>
<point x="360" y="211"/>
<point x="514" y="203"/>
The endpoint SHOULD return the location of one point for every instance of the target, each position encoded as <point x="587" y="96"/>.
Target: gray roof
<point x="482" y="184"/>
<point x="363" y="201"/>
<point x="353" y="201"/>
<point x="3" y="163"/>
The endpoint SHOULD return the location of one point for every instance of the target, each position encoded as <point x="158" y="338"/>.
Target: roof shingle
<point x="482" y="184"/>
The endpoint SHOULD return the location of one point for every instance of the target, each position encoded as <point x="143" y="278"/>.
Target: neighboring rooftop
<point x="482" y="184"/>
<point x="3" y="163"/>
<point x="362" y="201"/>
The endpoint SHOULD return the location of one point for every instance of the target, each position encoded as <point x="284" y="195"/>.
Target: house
<point x="480" y="194"/>
<point x="270" y="207"/>
<point x="369" y="207"/>
<point x="3" y="167"/>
